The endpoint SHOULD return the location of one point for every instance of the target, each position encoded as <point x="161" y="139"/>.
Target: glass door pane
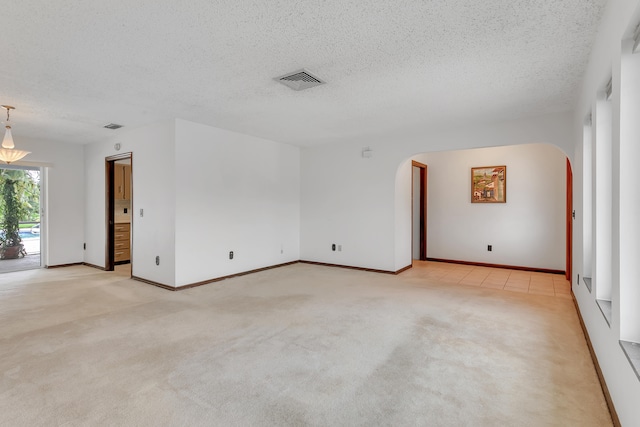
<point x="19" y="218"/>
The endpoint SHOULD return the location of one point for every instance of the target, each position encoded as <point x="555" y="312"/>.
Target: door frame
<point x="110" y="208"/>
<point x="42" y="199"/>
<point x="423" y="209"/>
<point x="569" y="223"/>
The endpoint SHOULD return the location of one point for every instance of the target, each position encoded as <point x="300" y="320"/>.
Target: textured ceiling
<point x="72" y="66"/>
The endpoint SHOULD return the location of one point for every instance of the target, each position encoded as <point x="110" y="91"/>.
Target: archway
<point x="532" y="230"/>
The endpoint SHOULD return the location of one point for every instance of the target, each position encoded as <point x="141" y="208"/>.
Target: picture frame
<point x="489" y="184"/>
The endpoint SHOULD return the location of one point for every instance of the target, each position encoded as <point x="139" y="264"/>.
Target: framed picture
<point x="489" y="184"/>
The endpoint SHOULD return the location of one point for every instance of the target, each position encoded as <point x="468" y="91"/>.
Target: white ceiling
<point x="72" y="66"/>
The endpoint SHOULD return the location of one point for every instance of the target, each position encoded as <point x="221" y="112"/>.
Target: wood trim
<point x="594" y="358"/>
<point x="403" y="269"/>
<point x="424" y="212"/>
<point x="217" y="279"/>
<point x="151" y="282"/>
<point x="109" y="256"/>
<point x="110" y="206"/>
<point x="510" y="267"/>
<point x="244" y="273"/>
<point x="371" y="270"/>
<point x="423" y="209"/>
<point x="121" y="156"/>
<point x="64" y="265"/>
<point x="569" y="225"/>
<point x="94" y="266"/>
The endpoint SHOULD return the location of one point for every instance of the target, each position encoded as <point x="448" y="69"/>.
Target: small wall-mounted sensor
<point x="367" y="153"/>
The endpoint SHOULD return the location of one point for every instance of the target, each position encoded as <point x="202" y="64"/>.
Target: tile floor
<point x="28" y="262"/>
<point x="555" y="285"/>
<point x="123" y="270"/>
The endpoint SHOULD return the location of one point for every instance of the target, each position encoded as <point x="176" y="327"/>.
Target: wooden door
<point x="118" y="181"/>
<point x="126" y="172"/>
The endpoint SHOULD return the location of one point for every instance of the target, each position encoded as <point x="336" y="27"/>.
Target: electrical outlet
<point x="333" y="247"/>
<point x="230" y="254"/>
<point x="84" y="246"/>
<point x="158" y="260"/>
<point x="141" y="213"/>
<point x="489" y="248"/>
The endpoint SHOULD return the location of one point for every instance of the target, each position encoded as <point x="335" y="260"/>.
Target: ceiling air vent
<point x="112" y="126"/>
<point x="300" y="80"/>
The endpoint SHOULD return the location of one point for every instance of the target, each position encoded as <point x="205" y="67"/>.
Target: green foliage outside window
<point x="19" y="201"/>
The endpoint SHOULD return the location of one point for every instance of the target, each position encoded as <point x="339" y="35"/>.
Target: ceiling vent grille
<point x="300" y="80"/>
<point x="112" y="126"/>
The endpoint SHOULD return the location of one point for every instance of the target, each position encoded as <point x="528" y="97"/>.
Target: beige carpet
<point x="298" y="345"/>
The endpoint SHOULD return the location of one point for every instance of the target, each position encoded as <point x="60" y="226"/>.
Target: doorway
<point x="20" y="215"/>
<point x="119" y="197"/>
<point x="419" y="211"/>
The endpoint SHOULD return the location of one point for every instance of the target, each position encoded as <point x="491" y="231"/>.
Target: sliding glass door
<point x="20" y="228"/>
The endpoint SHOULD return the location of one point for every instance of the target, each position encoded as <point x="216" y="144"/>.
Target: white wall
<point x="362" y="203"/>
<point x="629" y="208"/>
<point x="64" y="232"/>
<point x="586" y="205"/>
<point x="235" y="193"/>
<point x="619" y="21"/>
<point x="602" y="214"/>
<point x="205" y="192"/>
<point x="154" y="190"/>
<point x="402" y="217"/>
<point x="527" y="231"/>
<point x="344" y="199"/>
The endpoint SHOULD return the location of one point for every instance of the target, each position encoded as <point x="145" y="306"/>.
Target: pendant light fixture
<point x="8" y="153"/>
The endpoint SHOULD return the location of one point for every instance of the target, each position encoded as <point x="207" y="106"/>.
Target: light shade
<point x="7" y="142"/>
<point x="10" y="155"/>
